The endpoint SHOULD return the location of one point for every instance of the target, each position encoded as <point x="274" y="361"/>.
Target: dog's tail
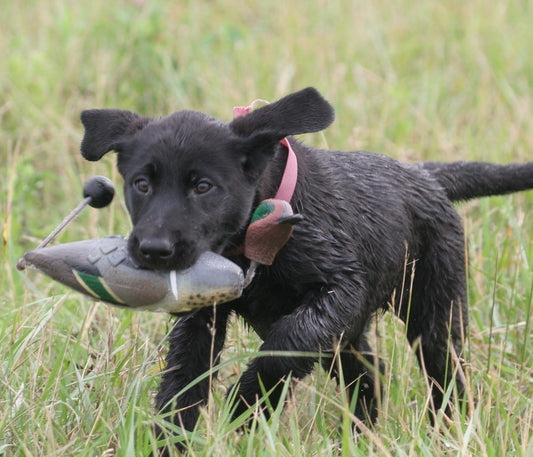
<point x="467" y="180"/>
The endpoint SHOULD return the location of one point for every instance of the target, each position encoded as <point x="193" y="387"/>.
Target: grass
<point x="441" y="81"/>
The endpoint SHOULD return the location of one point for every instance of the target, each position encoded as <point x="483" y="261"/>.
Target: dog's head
<point x="190" y="181"/>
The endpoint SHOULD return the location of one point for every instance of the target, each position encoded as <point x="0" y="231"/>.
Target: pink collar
<point x="290" y="175"/>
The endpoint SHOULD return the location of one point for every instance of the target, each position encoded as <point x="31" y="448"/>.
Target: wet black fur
<point x="191" y="183"/>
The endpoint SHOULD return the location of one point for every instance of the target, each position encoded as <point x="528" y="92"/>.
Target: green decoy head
<point x="270" y="228"/>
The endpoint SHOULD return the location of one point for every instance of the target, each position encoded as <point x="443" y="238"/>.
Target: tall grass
<point x="431" y="80"/>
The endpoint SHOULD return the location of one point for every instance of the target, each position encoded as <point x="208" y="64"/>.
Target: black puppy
<point x="376" y="234"/>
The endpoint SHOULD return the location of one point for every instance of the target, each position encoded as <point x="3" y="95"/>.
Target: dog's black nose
<point x="156" y="248"/>
<point x="159" y="252"/>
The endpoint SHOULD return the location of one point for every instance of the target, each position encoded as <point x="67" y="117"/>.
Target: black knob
<point x="101" y="191"/>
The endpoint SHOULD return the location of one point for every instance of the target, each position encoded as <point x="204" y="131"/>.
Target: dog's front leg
<point x="195" y="343"/>
<point x="325" y="318"/>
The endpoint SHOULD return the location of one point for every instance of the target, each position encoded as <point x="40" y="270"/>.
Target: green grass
<point x="427" y="80"/>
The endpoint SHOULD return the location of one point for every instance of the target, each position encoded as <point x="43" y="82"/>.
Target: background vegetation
<point x="415" y="80"/>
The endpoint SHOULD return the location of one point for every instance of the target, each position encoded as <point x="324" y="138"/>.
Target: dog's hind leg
<point x="358" y="370"/>
<point x="436" y="315"/>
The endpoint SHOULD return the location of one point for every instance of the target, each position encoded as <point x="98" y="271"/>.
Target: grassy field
<point x="428" y="80"/>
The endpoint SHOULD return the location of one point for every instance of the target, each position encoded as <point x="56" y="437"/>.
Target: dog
<point x="375" y="234"/>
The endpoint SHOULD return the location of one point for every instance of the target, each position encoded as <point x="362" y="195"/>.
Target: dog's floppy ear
<point x="301" y="112"/>
<point x="104" y="127"/>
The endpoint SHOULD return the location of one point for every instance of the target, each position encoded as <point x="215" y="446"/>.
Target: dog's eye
<point x="202" y="186"/>
<point x="142" y="185"/>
